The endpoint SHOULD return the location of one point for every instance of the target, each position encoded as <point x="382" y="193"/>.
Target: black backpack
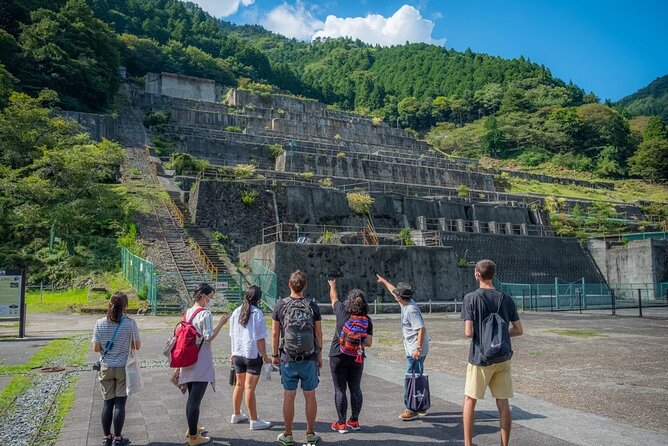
<point x="494" y="337"/>
<point x="298" y="338"/>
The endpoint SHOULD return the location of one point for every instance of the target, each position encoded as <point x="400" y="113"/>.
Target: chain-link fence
<point x="579" y="295"/>
<point x="142" y="276"/>
<point x="266" y="279"/>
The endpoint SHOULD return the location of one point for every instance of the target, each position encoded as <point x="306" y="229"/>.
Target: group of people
<point x="296" y="347"/>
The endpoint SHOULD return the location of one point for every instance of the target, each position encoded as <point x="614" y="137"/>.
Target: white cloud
<point x="292" y="21"/>
<point x="407" y="24"/>
<point x="222" y="8"/>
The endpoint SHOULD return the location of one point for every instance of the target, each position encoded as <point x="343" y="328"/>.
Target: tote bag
<point x="133" y="379"/>
<point x="417" y="392"/>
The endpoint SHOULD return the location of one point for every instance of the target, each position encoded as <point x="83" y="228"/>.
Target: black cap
<point x="404" y="290"/>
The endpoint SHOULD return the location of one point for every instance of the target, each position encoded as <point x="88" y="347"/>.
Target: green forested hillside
<point x="466" y="103"/>
<point x="650" y="100"/>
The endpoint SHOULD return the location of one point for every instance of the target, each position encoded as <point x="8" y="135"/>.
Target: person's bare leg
<point x="238" y="393"/>
<point x="468" y="414"/>
<point x="311" y="410"/>
<point x="249" y="393"/>
<point x="505" y="421"/>
<point x="289" y="409"/>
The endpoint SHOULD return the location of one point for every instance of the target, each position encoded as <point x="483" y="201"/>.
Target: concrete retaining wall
<point x="179" y="86"/>
<point x="96" y="125"/>
<point x="433" y="272"/>
<point x="639" y="261"/>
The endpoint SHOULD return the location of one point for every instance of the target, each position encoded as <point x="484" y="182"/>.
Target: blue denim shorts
<point x="304" y="371"/>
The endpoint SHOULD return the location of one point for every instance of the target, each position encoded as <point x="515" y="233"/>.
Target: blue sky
<point x="611" y="47"/>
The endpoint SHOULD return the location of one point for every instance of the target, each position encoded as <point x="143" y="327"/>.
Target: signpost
<point x="12" y="298"/>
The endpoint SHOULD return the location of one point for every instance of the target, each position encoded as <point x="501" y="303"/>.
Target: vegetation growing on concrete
<point x="248" y="197"/>
<point x="360" y="203"/>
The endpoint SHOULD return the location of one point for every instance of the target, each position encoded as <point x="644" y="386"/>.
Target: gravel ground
<point x="20" y="426"/>
<point x="619" y="372"/>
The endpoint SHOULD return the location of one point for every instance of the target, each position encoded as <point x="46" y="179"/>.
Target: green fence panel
<point x="578" y="295"/>
<point x="141" y="275"/>
<point x="266" y="279"/>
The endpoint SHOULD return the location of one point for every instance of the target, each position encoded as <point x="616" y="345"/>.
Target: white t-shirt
<point x="244" y="339"/>
<point x="203" y="322"/>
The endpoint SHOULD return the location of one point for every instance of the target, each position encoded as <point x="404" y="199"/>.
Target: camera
<point x="96" y="366"/>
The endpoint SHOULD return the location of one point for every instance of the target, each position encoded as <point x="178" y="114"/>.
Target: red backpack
<point x="185" y="350"/>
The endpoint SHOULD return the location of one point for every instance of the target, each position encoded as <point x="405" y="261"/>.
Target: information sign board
<point x="12" y="297"/>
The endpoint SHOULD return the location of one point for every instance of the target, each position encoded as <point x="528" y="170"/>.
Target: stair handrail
<point x="208" y="264"/>
<point x="177" y="212"/>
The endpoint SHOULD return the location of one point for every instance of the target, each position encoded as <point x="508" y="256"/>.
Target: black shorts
<point x="245" y="365"/>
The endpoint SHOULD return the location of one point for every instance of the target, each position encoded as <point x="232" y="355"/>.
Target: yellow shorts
<point x="496" y="377"/>
<point x="112" y="382"/>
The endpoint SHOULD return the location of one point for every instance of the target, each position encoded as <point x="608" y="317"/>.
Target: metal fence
<point x="266" y="279"/>
<point x="142" y="276"/>
<point x="579" y="295"/>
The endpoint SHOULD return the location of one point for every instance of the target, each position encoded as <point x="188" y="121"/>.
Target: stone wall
<point x="433" y="272"/>
<point x="638" y="261"/>
<point x="522" y="259"/>
<point x="179" y="86"/>
<point x="96" y="125"/>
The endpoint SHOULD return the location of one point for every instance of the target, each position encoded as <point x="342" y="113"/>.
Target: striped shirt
<point x="117" y="356"/>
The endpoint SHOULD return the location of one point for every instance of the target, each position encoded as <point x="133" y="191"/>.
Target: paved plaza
<point x="156" y="416"/>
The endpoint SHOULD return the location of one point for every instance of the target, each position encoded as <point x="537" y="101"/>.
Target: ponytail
<point x="117" y="305"/>
<point x="252" y="297"/>
<point x="202" y="289"/>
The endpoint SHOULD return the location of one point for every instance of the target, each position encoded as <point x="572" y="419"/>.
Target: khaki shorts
<point x="496" y="377"/>
<point x="112" y="382"/>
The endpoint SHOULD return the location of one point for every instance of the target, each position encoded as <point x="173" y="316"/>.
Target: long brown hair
<point x="251" y="298"/>
<point x="356" y="304"/>
<point x="117" y="305"/>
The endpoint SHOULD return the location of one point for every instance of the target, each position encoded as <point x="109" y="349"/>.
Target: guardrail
<point x="208" y="264"/>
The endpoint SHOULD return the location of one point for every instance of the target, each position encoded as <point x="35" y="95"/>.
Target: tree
<point x="493" y="142"/>
<point x="656" y="129"/>
<point x="71" y="52"/>
<point x="651" y="160"/>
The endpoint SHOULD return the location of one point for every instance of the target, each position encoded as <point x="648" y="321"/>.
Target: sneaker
<point x="107" y="441"/>
<point x="312" y="438"/>
<point x="285" y="440"/>
<point x="200" y="439"/>
<point x="339" y="427"/>
<point x="407" y="415"/>
<point x="259" y="424"/>
<point x="238" y="418"/>
<point x="353" y="425"/>
<point x="121" y="441"/>
<point x="422" y="413"/>
<point x="200" y="430"/>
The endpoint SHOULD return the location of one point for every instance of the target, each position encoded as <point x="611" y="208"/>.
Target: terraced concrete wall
<point x="433" y="272"/>
<point x="354" y="167"/>
<point x="218" y="206"/>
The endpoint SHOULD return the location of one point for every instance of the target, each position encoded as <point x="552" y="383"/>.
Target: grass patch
<point x="575" y="332"/>
<point x="65" y="301"/>
<point x="63" y="352"/>
<point x="61" y="407"/>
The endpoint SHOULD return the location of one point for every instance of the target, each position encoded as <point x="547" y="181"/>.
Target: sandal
<point x="108" y="441"/>
<point x="121" y="441"/>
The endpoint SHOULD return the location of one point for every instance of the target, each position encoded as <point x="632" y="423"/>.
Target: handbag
<point x="133" y="379"/>
<point x="417" y="396"/>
